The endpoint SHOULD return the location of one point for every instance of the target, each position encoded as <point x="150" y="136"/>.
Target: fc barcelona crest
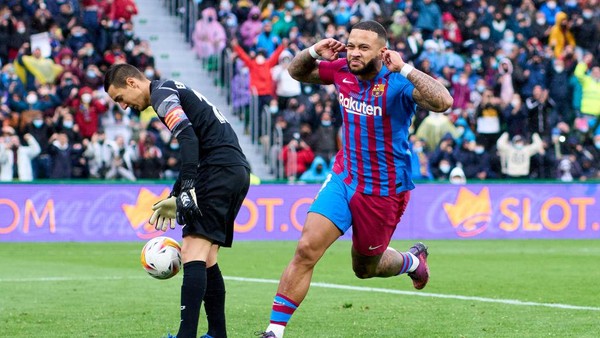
<point x="378" y="90"/>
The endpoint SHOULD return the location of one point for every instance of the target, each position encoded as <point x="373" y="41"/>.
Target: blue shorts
<point x="373" y="218"/>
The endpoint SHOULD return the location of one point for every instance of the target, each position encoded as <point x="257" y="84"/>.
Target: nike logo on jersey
<point x="374" y="247"/>
<point x="345" y="80"/>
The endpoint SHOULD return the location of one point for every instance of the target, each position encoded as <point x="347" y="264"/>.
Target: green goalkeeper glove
<point x="164" y="214"/>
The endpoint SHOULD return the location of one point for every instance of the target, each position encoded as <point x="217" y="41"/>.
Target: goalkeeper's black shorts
<point x="220" y="192"/>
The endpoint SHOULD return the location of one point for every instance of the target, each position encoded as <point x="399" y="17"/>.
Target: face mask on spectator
<point x="38" y="123"/>
<point x="91" y="74"/>
<point x="21" y="30"/>
<point x="540" y="21"/>
<point x="89" y="52"/>
<point x="260" y="59"/>
<point x="287" y="18"/>
<point x="418" y="149"/>
<point x="273" y="109"/>
<point x="149" y="73"/>
<point x="68" y="124"/>
<point x="445" y="168"/>
<point x="479" y="150"/>
<point x="68" y="82"/>
<point x="551" y="4"/>
<point x="32" y="99"/>
<point x="587" y="15"/>
<point x="519" y="146"/>
<point x="66" y="62"/>
<point x="86" y="98"/>
<point x="484" y="35"/>
<point x="559" y="69"/>
<point x="571" y="3"/>
<point x="174" y="146"/>
<point x="325" y="123"/>
<point x="480" y="88"/>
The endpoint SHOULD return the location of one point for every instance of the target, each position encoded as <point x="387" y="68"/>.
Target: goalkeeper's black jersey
<point x="179" y="106"/>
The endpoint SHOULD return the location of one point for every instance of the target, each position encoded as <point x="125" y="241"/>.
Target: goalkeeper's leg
<point x="194" y="253"/>
<point x="214" y="298"/>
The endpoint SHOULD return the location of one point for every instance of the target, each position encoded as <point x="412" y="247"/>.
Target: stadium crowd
<point x="524" y="74"/>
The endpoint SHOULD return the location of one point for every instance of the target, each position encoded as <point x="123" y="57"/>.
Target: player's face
<point x="363" y="52"/>
<point x="132" y="95"/>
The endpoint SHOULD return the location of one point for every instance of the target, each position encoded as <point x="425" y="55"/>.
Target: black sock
<point x="214" y="302"/>
<point x="192" y="293"/>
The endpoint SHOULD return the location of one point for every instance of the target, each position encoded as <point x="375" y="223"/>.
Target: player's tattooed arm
<point x="429" y="93"/>
<point x="304" y="68"/>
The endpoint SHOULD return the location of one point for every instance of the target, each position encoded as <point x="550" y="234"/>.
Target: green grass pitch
<point x="514" y="288"/>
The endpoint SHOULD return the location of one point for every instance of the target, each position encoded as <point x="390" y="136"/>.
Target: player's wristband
<point x="313" y="53"/>
<point x="406" y="69"/>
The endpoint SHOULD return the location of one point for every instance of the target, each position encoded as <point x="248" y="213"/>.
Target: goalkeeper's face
<point x="135" y="94"/>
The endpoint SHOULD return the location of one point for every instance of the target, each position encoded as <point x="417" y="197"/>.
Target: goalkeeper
<point x="208" y="193"/>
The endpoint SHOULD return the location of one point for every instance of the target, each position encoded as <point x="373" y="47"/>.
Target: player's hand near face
<point x="329" y="49"/>
<point x="392" y="60"/>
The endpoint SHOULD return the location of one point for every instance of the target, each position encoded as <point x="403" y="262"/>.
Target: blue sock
<point x="407" y="262"/>
<point x="283" y="309"/>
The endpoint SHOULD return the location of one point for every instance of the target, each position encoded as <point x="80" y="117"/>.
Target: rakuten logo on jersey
<point x="354" y="106"/>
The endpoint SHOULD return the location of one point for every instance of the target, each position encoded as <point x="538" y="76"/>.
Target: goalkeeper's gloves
<point x="187" y="207"/>
<point x="165" y="212"/>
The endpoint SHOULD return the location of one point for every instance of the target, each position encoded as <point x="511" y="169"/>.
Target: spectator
<point x="149" y="161"/>
<point x="557" y="78"/>
<point x="122" y="10"/>
<point x="442" y="160"/>
<point x="507" y="90"/>
<point x="324" y="140"/>
<point x="550" y="9"/>
<point x="284" y="24"/>
<point x="429" y="18"/>
<point x="41" y="129"/>
<point x="590" y="85"/>
<point x="400" y="28"/>
<point x="37" y="69"/>
<point x="419" y="160"/>
<point x="457" y="176"/>
<point x="121" y="159"/>
<point x="297" y="157"/>
<point x="87" y="111"/>
<point x="434" y="127"/>
<point x="250" y="29"/>
<point x="97" y="152"/>
<point x="261" y="81"/>
<point x="287" y="87"/>
<point x="489" y="119"/>
<point x="539" y="107"/>
<point x="516" y="156"/>
<point x="240" y="94"/>
<point x="586" y="32"/>
<point x="516" y="117"/>
<point x="560" y="35"/>
<point x="209" y="38"/>
<point x="61" y="153"/>
<point x="15" y="157"/>
<point x="317" y="172"/>
<point x="172" y="162"/>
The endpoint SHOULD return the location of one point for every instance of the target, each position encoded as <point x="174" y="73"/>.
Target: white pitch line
<point x="325" y="285"/>
<point x="425" y="294"/>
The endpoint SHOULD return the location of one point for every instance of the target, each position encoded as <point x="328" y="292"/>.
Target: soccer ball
<point x="161" y="257"/>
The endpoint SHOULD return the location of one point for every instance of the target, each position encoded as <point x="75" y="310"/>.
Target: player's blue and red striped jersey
<point x="375" y="158"/>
